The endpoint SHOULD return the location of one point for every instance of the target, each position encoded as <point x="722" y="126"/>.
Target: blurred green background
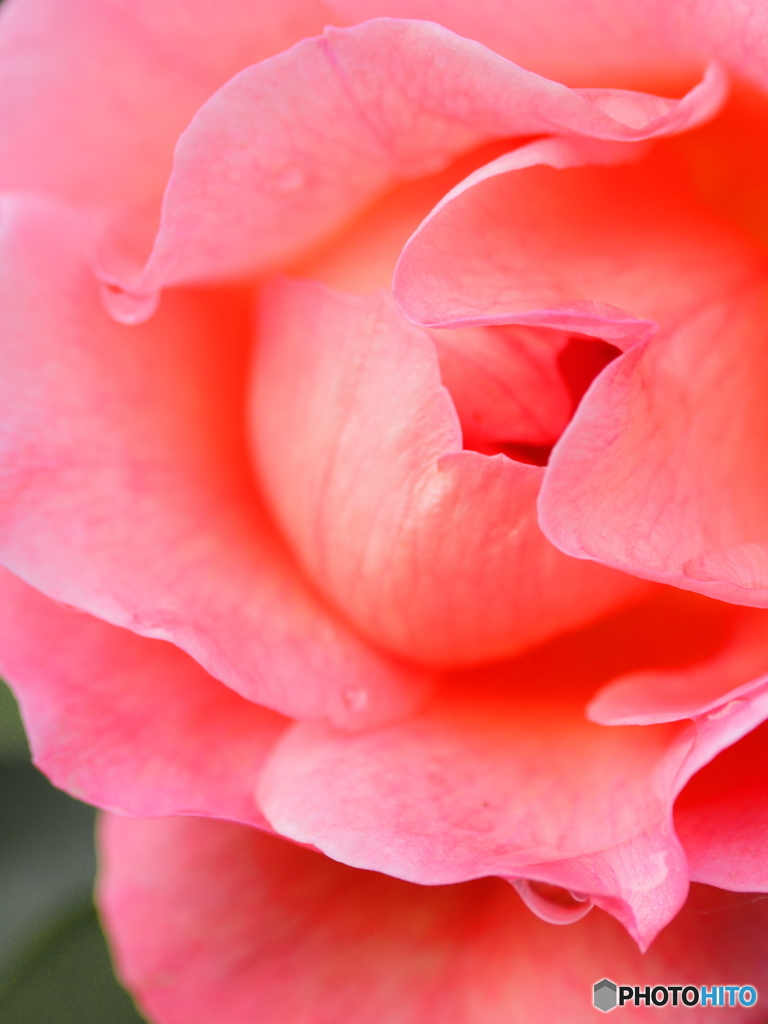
<point x="54" y="962"/>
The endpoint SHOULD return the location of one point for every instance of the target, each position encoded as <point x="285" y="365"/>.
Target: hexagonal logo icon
<point x="604" y="995"/>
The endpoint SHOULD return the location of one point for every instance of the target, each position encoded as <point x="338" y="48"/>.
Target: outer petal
<point x="94" y="93"/>
<point x="127" y="492"/>
<point x="214" y="921"/>
<point x="661" y="471"/>
<point x="129" y="723"/>
<point x="433" y="551"/>
<point x="292" y="148"/>
<point x="632" y="42"/>
<point x="502" y="774"/>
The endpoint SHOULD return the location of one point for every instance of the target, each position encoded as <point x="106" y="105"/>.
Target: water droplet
<point x="128" y="307"/>
<point x="290" y="179"/>
<point x="355" y="698"/>
<point x="551" y="902"/>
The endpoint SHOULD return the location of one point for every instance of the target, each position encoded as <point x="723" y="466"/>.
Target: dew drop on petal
<point x="128" y="307"/>
<point x="552" y="903"/>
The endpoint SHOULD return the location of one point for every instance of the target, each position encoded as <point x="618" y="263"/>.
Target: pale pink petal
<point x="722" y="817"/>
<point x="638" y="43"/>
<point x="502" y="774"/>
<point x="94" y="93"/>
<point x="661" y="471"/>
<point x="214" y="921"/>
<point x="537" y="237"/>
<point x="433" y="551"/>
<point x="125" y="722"/>
<point x="127" y="490"/>
<point x="292" y="148"/>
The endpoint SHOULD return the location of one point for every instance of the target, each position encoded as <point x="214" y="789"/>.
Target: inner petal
<point x="433" y="550"/>
<point x="515" y="388"/>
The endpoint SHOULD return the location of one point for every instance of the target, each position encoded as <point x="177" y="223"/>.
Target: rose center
<point x="516" y="388"/>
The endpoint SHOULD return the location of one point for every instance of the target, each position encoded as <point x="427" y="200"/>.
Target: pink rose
<point x="416" y="541"/>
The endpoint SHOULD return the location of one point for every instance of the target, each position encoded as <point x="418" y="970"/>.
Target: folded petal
<point x="734" y="670"/>
<point x="540" y="237"/>
<point x="214" y="921"/>
<point x="660" y="472"/>
<point x="293" y="147"/>
<point x="626" y="42"/>
<point x="681" y="415"/>
<point x="722" y="817"/>
<point x="433" y="551"/>
<point x="502" y="774"/>
<point x="128" y="723"/>
<point x="94" y="94"/>
<point x="127" y="491"/>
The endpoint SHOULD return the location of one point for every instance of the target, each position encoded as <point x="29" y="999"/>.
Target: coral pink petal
<point x="537" y="237"/>
<point x="138" y="504"/>
<point x="214" y="921"/>
<point x="433" y="551"/>
<point x="722" y="817"/>
<point x="661" y="471"/>
<point x="94" y="93"/>
<point x="292" y="148"/>
<point x="630" y="42"/>
<point x="129" y="723"/>
<point x="722" y="814"/>
<point x="651" y="696"/>
<point x="502" y="774"/>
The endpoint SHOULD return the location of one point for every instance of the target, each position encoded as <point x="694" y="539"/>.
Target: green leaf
<point x="13" y="741"/>
<point x="65" y="977"/>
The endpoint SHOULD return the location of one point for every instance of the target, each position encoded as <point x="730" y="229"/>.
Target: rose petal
<point x="481" y="786"/>
<point x="290" y="149"/>
<point x="722" y="817"/>
<point x="660" y="472"/>
<point x="648" y="697"/>
<point x="722" y="813"/>
<point x="129" y="723"/>
<point x="213" y="921"/>
<point x="625" y="42"/>
<point x="94" y="94"/>
<point x="502" y="774"/>
<point x="127" y="492"/>
<point x="431" y="550"/>
<point x="536" y="237"/>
